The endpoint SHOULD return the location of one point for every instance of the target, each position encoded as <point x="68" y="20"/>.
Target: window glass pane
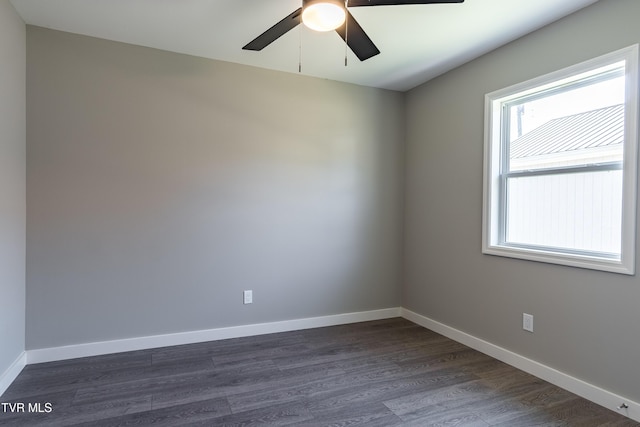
<point x="560" y="182"/>
<point x="573" y="211"/>
<point x="580" y="125"/>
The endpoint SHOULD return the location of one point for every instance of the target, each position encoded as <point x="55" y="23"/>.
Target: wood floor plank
<point x="370" y="415"/>
<point x="539" y="419"/>
<point x="202" y="411"/>
<point x="293" y="386"/>
<point x="95" y="393"/>
<point x="275" y="415"/>
<point x="460" y="394"/>
<point x="386" y="373"/>
<point x="443" y="417"/>
<point x="386" y="388"/>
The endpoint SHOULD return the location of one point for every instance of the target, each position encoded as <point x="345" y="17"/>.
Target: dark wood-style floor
<point x="383" y="373"/>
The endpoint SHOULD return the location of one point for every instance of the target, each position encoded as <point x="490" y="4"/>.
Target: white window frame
<point x="493" y="156"/>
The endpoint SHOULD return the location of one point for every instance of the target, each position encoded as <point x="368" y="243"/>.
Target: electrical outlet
<point x="247" y="297"/>
<point x="527" y="322"/>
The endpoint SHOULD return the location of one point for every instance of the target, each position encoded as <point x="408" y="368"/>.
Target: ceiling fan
<point x="327" y="15"/>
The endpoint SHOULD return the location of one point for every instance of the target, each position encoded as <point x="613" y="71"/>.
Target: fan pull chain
<point x="300" y="49"/>
<point x="346" y="33"/>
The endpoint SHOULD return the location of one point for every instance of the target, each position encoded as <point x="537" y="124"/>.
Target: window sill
<point x="580" y="261"/>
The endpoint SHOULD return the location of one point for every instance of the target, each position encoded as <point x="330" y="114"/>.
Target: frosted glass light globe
<point x="323" y="16"/>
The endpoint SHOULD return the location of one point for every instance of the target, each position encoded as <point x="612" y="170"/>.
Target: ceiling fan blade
<point x="357" y="3"/>
<point x="275" y="32"/>
<point x="357" y="39"/>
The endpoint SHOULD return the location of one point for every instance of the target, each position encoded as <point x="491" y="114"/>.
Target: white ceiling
<point x="417" y="42"/>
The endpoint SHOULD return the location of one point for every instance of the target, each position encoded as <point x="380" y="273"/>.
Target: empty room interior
<point x="145" y="190"/>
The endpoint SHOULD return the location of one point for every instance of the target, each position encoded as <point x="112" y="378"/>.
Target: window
<point x="560" y="166"/>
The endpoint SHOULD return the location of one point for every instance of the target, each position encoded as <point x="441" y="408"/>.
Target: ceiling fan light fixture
<point x="323" y="15"/>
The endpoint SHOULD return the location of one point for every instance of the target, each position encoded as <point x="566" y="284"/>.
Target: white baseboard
<point x="142" y="343"/>
<point x="8" y="376"/>
<point x="583" y="389"/>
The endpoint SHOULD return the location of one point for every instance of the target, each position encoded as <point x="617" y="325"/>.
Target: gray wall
<point x="12" y="185"/>
<point x="162" y="185"/>
<point x="586" y="322"/>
